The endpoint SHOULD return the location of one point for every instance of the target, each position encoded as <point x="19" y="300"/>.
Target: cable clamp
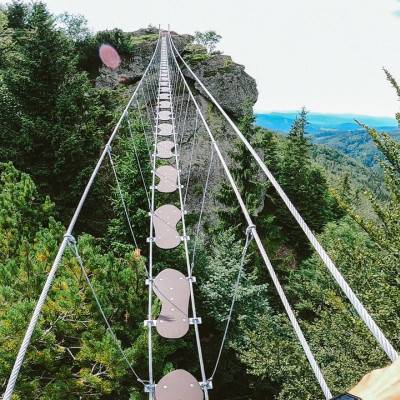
<point x="150" y="322"/>
<point x="149" y="387"/>
<point x="150" y="239"/>
<point x="108" y="148"/>
<point x="148" y="281"/>
<point x="195" y="321"/>
<point x="191" y="279"/>
<point x="185" y="238"/>
<point x="70" y="239"/>
<point x="250" y="229"/>
<point x="208" y="385"/>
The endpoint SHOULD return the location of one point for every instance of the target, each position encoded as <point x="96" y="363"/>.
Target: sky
<point x="324" y="55"/>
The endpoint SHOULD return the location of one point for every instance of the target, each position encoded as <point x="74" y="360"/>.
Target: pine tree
<point x="246" y="174"/>
<point x="386" y="233"/>
<point x="304" y="184"/>
<point x="54" y="121"/>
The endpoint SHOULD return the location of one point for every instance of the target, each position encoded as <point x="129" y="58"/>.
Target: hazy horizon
<point x="348" y="114"/>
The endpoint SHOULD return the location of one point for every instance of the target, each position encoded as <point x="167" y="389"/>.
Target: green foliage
<point x="71" y="353"/>
<point x="208" y="39"/>
<point x="74" y="26"/>
<point x="150" y="37"/>
<point x="127" y="151"/>
<point x="52" y="121"/>
<point x="384" y="228"/>
<point x="246" y="175"/>
<point x="306" y="186"/>
<point x="216" y="269"/>
<point x="88" y="48"/>
<point x="366" y="252"/>
<point x="342" y="344"/>
<point x="195" y="53"/>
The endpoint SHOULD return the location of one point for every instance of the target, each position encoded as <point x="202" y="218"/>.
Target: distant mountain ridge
<point x="339" y="131"/>
<point x="282" y="121"/>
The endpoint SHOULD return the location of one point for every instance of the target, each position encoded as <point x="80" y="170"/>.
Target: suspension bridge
<point x="167" y="101"/>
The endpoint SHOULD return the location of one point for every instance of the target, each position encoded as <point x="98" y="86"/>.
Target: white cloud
<point x="326" y="55"/>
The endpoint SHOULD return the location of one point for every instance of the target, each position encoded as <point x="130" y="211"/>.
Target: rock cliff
<point x="226" y="80"/>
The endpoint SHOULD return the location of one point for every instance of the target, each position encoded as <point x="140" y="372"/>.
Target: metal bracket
<point x="250" y="229"/>
<point x="150" y="239"/>
<point x="183" y="238"/>
<point x="148" y="281"/>
<point x="150" y="322"/>
<point x="149" y="388"/>
<point x="195" y="321"/>
<point x="191" y="279"/>
<point x="208" y="385"/>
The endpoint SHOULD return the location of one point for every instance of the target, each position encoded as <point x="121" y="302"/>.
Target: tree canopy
<point x="53" y="123"/>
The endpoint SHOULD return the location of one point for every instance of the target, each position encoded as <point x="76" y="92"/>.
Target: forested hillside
<point x="57" y="108"/>
<point x="340" y="132"/>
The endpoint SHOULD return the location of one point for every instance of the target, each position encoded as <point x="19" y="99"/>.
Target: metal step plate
<point x="164" y="115"/>
<point x="164" y="149"/>
<point x="172" y="288"/>
<point x="165" y="219"/>
<point x="178" y="385"/>
<point x="165" y="129"/>
<point x="165" y="104"/>
<point x="168" y="179"/>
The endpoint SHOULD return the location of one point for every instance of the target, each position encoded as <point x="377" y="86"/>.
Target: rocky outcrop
<point x="225" y="79"/>
<point x="227" y="82"/>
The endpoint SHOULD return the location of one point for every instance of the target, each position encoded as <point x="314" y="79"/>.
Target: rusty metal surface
<point x="168" y="179"/>
<point x="164" y="149"/>
<point x="178" y="385"/>
<point x="172" y="288"/>
<point x="165" y="219"/>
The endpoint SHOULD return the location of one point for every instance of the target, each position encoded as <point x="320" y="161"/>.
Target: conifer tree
<point x="246" y="174"/>
<point x="386" y="233"/>
<point x="305" y="185"/>
<point x="54" y="121"/>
